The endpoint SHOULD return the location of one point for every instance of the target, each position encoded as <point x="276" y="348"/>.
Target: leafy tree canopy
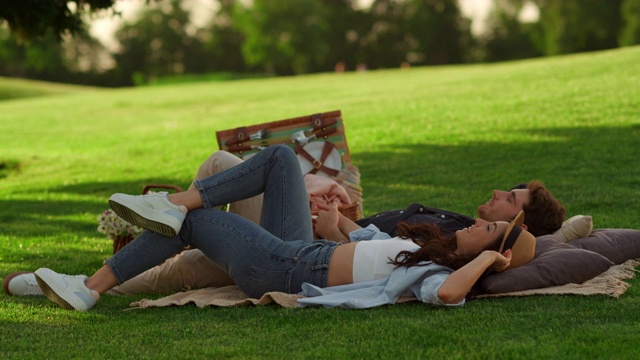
<point x="31" y="19"/>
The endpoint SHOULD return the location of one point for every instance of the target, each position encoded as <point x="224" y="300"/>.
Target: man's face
<point x="504" y="205"/>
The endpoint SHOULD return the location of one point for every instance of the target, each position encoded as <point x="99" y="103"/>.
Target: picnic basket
<point x="319" y="140"/>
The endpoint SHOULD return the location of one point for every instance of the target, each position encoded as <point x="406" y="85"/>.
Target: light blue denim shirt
<point x="421" y="281"/>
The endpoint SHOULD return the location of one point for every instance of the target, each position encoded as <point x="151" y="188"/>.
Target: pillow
<point x="576" y="227"/>
<point x="617" y="245"/>
<point x="555" y="263"/>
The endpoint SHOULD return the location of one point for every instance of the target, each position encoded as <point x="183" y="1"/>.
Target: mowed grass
<point x="13" y="88"/>
<point x="443" y="136"/>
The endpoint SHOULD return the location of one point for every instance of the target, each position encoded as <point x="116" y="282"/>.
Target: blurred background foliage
<point x="49" y="40"/>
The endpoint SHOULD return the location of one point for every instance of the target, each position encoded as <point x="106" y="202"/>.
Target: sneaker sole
<point x="134" y="218"/>
<point x="51" y="293"/>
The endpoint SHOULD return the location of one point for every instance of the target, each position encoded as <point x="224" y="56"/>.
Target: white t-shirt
<point x="371" y="258"/>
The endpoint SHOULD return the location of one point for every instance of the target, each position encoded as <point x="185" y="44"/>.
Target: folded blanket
<point x="609" y="283"/>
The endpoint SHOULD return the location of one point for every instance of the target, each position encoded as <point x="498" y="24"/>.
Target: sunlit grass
<point x="443" y="136"/>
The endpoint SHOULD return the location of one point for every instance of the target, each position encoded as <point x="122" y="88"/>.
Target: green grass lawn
<point x="443" y="136"/>
<point x="11" y="88"/>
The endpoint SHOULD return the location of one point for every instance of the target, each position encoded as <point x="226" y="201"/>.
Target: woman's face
<point x="474" y="239"/>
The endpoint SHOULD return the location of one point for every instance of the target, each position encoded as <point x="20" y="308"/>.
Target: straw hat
<point x="521" y="242"/>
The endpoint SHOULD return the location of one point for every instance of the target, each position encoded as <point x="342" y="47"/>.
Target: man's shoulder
<point x="418" y="213"/>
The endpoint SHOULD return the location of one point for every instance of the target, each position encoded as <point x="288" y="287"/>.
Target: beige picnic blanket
<point x="609" y="283"/>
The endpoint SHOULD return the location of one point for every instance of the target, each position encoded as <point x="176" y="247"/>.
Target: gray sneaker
<point x="152" y="211"/>
<point x="70" y="292"/>
<point x="21" y="283"/>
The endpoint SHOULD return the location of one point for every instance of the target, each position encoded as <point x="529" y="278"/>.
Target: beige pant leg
<point x="220" y="161"/>
<point x="181" y="273"/>
<point x="191" y="269"/>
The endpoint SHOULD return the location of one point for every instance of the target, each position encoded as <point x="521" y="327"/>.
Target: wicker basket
<point x="351" y="212"/>
<point x="147" y="188"/>
<point x="120" y="242"/>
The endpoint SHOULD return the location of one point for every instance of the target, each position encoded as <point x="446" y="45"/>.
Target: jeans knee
<point x="283" y="152"/>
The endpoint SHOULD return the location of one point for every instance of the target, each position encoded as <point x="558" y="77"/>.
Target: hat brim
<point x="511" y="235"/>
<point x="521" y="242"/>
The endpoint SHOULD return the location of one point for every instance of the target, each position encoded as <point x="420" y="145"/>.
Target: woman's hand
<point x="460" y="282"/>
<point x="328" y="217"/>
<point x="326" y="224"/>
<point x="501" y="261"/>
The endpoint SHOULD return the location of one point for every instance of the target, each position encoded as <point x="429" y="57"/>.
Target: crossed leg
<point x="191" y="269"/>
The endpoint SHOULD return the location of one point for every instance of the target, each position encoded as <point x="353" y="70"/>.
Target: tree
<point x="31" y="19"/>
<point x="507" y="37"/>
<point x="385" y="43"/>
<point x="439" y="33"/>
<point x="158" y="44"/>
<point x="570" y="26"/>
<point x="41" y="59"/>
<point x="223" y="40"/>
<point x="74" y="60"/>
<point x="284" y="36"/>
<point x="416" y="32"/>
<point x="630" y="33"/>
<point x="348" y="25"/>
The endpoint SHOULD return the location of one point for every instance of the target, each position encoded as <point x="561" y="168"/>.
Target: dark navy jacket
<point x="448" y="221"/>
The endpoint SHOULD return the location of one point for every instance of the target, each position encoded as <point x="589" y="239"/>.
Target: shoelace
<point x="153" y="199"/>
<point x="32" y="286"/>
<point x="81" y="277"/>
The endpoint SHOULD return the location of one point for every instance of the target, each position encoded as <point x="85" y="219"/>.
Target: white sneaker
<point x="152" y="211"/>
<point x="21" y="283"/>
<point x="70" y="292"/>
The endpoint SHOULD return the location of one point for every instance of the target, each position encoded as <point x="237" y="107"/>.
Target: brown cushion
<point x="617" y="245"/>
<point x="555" y="263"/>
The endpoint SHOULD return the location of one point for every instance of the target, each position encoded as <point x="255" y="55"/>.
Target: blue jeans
<point x="278" y="255"/>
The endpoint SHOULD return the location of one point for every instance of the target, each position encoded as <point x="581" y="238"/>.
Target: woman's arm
<point x="332" y="225"/>
<point x="459" y="283"/>
<point x="346" y="226"/>
<point x="327" y="225"/>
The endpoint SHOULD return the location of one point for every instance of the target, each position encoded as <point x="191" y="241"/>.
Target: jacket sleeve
<point x="370" y="232"/>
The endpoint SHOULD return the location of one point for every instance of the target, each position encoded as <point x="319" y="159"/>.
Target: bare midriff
<point x="341" y="265"/>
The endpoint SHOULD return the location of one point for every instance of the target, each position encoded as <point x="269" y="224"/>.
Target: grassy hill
<point x="12" y="88"/>
<point x="444" y="136"/>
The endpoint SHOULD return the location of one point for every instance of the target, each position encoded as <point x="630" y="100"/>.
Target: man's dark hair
<point x="543" y="214"/>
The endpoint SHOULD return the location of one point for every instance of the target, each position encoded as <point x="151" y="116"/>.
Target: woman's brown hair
<point x="434" y="246"/>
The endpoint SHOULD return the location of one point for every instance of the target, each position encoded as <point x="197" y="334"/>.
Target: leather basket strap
<point x="240" y="135"/>
<point x="318" y="164"/>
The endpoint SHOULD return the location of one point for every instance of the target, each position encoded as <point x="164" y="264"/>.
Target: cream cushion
<point x="576" y="227"/>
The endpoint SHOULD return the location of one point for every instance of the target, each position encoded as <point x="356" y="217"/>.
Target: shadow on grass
<point x="599" y="162"/>
<point x="61" y="256"/>
<point x="593" y="165"/>
<point x="25" y="218"/>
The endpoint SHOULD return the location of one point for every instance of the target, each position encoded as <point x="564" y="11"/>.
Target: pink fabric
<point x="323" y="191"/>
